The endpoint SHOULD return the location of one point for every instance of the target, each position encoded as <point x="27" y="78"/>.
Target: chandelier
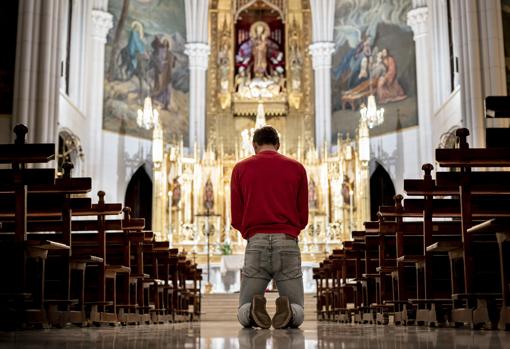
<point x="370" y="114"/>
<point x="148" y="117"/>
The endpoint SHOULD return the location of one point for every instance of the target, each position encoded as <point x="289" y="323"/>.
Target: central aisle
<point x="229" y="335"/>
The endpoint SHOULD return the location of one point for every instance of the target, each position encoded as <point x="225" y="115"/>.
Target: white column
<point x="440" y="49"/>
<point x="100" y="23"/>
<point x="197" y="49"/>
<point x="198" y="54"/>
<point x="470" y="74"/>
<point x="37" y="72"/>
<point x="323" y="17"/>
<point x="321" y="59"/>
<point x="418" y="20"/>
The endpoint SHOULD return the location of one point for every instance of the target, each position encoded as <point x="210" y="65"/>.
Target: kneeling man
<point x="269" y="199"/>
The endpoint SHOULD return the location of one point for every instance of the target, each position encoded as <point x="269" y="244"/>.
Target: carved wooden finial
<point x="398" y="200"/>
<point x="67" y="167"/>
<point x="101" y="195"/>
<point x="427" y="168"/>
<point x="462" y="134"/>
<point x="127" y="213"/>
<point x="380" y="217"/>
<point x="21" y="131"/>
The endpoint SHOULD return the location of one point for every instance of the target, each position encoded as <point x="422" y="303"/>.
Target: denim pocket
<point x="291" y="264"/>
<point x="251" y="266"/>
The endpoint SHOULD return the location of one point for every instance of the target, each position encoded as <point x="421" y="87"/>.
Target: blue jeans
<point x="268" y="257"/>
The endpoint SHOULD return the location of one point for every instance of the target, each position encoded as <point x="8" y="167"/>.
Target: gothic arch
<point x="139" y="196"/>
<point x="247" y="5"/>
<point x="382" y="190"/>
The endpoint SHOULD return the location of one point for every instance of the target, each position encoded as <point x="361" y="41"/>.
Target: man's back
<point x="269" y="201"/>
<point x="269" y="195"/>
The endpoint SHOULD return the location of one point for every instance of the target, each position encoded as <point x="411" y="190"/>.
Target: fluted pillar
<point x="321" y="60"/>
<point x="37" y="73"/>
<point x="100" y="23"/>
<point x="418" y="20"/>
<point x="322" y="48"/>
<point x="197" y="49"/>
<point x="198" y="54"/>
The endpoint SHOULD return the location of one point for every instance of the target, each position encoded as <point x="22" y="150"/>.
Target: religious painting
<point x="505" y="9"/>
<point x="374" y="56"/>
<point x="259" y="53"/>
<point x="145" y="57"/>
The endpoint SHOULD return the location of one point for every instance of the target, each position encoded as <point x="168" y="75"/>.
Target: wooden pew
<point x="440" y="240"/>
<point x="350" y="274"/>
<point x="369" y="278"/>
<point x="23" y="298"/>
<point x="492" y="203"/>
<point x="501" y="228"/>
<point x="87" y="276"/>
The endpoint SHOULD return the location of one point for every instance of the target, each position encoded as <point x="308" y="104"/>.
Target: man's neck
<point x="266" y="148"/>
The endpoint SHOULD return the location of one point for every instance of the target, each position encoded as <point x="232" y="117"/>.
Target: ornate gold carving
<point x="294" y="103"/>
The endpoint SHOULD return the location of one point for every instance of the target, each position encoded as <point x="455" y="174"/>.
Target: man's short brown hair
<point x="266" y="135"/>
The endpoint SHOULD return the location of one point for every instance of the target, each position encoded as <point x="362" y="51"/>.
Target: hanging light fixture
<point x="147" y="117"/>
<point x="370" y="114"/>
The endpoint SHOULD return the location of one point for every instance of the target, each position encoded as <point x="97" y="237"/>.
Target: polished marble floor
<point x="229" y="335"/>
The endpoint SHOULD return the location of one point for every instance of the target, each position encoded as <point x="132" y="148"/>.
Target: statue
<point x="296" y="59"/>
<point x="263" y="58"/>
<point x="259" y="33"/>
<point x="176" y="192"/>
<point x="223" y="58"/>
<point x="242" y="83"/>
<point x="208" y="195"/>
<point x="312" y="195"/>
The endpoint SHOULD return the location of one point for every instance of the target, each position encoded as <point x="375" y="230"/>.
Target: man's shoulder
<point x="280" y="158"/>
<point x="243" y="163"/>
<point x="291" y="162"/>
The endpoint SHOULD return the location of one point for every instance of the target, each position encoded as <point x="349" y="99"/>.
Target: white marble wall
<point x="122" y="156"/>
<point x="397" y="153"/>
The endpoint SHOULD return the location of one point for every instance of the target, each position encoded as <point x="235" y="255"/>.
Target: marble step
<point x="223" y="307"/>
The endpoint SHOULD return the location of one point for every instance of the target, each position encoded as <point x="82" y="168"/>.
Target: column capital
<point x="321" y="53"/>
<point x="419" y="3"/>
<point x="417" y="19"/>
<point x="102" y="23"/>
<point x="198" y="53"/>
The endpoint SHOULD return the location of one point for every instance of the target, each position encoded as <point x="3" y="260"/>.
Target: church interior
<point x="121" y="122"/>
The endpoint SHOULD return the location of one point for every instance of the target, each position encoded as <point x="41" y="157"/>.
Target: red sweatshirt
<point x="269" y="194"/>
